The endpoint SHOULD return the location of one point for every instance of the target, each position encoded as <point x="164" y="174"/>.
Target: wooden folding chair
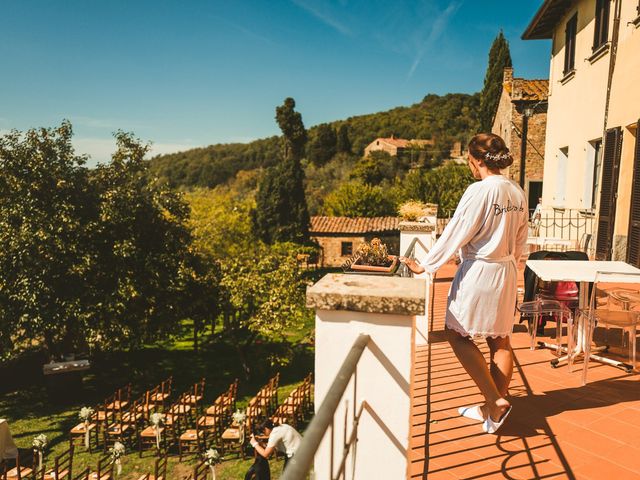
<point x="83" y="475"/>
<point x="144" y="405"/>
<point x="200" y="471"/>
<point x="159" y="471"/>
<point x="62" y="466"/>
<point x="162" y="393"/>
<point x="121" y="429"/>
<point x="191" y="441"/>
<point x="104" y="470"/>
<point x="24" y="468"/>
<point x="195" y="395"/>
<point x="77" y="433"/>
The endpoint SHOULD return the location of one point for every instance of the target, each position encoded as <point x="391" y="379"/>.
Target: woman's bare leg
<point x="474" y="363"/>
<point x="501" y="366"/>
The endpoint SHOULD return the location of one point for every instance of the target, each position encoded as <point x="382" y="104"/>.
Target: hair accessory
<point x="497" y="156"/>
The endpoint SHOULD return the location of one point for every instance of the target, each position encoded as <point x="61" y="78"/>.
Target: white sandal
<point x="473" y="413"/>
<point x="491" y="426"/>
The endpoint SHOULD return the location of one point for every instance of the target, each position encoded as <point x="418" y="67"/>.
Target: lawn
<point x="26" y="406"/>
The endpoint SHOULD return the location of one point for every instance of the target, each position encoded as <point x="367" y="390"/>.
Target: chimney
<point x="507" y="75"/>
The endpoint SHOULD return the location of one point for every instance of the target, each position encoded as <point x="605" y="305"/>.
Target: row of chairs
<point x="296" y="406"/>
<point x="234" y="438"/>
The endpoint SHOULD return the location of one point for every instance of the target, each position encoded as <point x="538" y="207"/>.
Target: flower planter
<point x="376" y="269"/>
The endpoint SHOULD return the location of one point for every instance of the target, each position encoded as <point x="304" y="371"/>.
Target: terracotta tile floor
<point x="558" y="429"/>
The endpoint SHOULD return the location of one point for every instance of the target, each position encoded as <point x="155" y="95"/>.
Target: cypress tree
<point x="343" y="143"/>
<point x="281" y="213"/>
<point x="499" y="58"/>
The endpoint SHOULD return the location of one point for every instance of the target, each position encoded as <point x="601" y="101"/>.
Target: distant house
<point x="519" y="97"/>
<point x="396" y="146"/>
<point x="339" y="237"/>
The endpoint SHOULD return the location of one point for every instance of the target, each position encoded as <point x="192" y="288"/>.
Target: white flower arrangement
<point x="211" y="457"/>
<point x="156" y="419"/>
<point x="40" y="442"/>
<point x="84" y="416"/>
<point x="239" y="417"/>
<point x="117" y="452"/>
<point x="85" y="413"/>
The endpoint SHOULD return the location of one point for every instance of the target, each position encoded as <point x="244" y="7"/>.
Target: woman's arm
<point x="463" y="226"/>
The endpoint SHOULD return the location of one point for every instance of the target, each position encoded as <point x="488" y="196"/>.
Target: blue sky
<point x="190" y="73"/>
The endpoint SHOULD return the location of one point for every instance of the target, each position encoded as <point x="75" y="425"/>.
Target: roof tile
<point x="321" y="224"/>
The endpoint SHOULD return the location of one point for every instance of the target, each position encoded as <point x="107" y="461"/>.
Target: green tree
<point x="96" y="258"/>
<point x="323" y="146"/>
<point x="343" y="142"/>
<point x="443" y="186"/>
<point x="281" y="213"/>
<point x="375" y="167"/>
<point x="295" y="135"/>
<point x="499" y="59"/>
<point x="45" y="206"/>
<point x="356" y="199"/>
<point x="264" y="296"/>
<point x="141" y="245"/>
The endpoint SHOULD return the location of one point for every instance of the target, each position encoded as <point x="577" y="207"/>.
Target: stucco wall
<point x="576" y="111"/>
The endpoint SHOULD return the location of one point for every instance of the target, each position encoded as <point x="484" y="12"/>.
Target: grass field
<point x="29" y="411"/>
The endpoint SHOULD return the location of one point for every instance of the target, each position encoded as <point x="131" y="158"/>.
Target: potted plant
<point x="372" y="257"/>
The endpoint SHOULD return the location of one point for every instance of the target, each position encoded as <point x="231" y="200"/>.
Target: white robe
<point x="489" y="227"/>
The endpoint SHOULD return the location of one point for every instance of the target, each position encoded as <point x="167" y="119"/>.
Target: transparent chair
<point x="540" y="307"/>
<point x="614" y="302"/>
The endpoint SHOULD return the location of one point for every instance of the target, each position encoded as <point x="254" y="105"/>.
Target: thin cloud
<point x="101" y="149"/>
<point x="245" y="31"/>
<point x="437" y="28"/>
<point x="102" y="123"/>
<point x="320" y="11"/>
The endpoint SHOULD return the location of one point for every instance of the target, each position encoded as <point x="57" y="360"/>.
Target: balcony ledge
<point x="407" y="226"/>
<point x="368" y="293"/>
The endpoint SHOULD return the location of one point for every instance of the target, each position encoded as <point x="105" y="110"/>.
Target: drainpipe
<point x="612" y="67"/>
<point x="612" y="62"/>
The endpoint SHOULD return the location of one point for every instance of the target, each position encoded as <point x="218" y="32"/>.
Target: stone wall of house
<point x="534" y="169"/>
<point x="331" y="246"/>
<point x="383" y="146"/>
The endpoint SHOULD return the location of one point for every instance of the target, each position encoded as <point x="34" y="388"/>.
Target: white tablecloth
<point x="579" y="271"/>
<point x="8" y="449"/>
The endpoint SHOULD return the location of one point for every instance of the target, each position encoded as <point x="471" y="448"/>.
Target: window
<point x="347" y="248"/>
<point x="601" y="33"/>
<point x="570" y="44"/>
<point x="592" y="173"/>
<point x="561" y="178"/>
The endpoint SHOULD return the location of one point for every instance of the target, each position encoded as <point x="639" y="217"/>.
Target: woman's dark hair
<point x="266" y="423"/>
<point x="491" y="149"/>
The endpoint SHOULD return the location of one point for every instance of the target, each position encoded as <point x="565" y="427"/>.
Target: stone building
<point x="396" y="146"/>
<point x="339" y="237"/>
<point x="522" y="97"/>
<point x="592" y="153"/>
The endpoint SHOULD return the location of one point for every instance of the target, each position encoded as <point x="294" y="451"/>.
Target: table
<point x="583" y="272"/>
<point x="8" y="449"/>
<point x="551" y="242"/>
<point x="64" y="379"/>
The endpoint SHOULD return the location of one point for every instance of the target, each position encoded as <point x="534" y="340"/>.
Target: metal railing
<point x="569" y="224"/>
<point x="300" y="465"/>
<point x="403" y="270"/>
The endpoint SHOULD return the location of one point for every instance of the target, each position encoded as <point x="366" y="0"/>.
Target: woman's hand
<point x="412" y="264"/>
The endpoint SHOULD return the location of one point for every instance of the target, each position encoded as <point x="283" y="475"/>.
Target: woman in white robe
<point x="489" y="229"/>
